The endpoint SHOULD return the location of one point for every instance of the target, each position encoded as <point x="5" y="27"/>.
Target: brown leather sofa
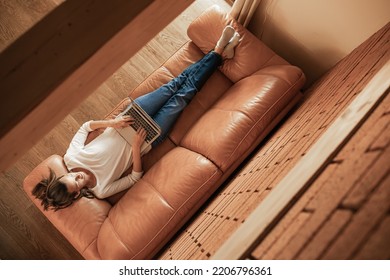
<point x="232" y="114"/>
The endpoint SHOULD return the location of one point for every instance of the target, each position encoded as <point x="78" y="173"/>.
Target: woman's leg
<point x="155" y="100"/>
<point x="166" y="103"/>
<point x="195" y="77"/>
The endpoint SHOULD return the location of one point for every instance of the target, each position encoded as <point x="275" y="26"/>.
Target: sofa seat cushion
<point x="235" y="122"/>
<point x="158" y="205"/>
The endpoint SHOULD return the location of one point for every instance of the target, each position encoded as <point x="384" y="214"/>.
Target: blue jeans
<point x="166" y="103"/>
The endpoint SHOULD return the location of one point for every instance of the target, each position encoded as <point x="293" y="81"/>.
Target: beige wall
<point x="316" y="34"/>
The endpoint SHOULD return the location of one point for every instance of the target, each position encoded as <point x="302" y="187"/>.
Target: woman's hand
<point x="139" y="138"/>
<point x="121" y="122"/>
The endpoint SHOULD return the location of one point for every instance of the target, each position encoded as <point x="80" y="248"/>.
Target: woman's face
<point x="74" y="181"/>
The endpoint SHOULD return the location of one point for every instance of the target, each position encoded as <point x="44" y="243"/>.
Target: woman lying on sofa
<point x="96" y="168"/>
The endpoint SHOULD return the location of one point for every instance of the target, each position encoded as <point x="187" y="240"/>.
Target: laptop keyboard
<point x="139" y="121"/>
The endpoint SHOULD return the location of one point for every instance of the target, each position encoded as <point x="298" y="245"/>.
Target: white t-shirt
<point x="108" y="156"/>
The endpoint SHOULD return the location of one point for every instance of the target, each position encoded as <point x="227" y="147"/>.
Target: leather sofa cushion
<point x="185" y="56"/>
<point x="151" y="211"/>
<point x="230" y="127"/>
<point x="250" y="55"/>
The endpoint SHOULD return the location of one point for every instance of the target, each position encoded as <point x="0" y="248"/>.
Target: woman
<point x="96" y="168"/>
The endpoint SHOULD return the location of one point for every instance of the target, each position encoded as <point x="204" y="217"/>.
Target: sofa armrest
<point x="250" y="55"/>
<point x="82" y="232"/>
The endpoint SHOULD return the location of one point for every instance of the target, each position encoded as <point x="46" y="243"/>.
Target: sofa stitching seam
<point x="158" y="193"/>
<point x="89" y="244"/>
<point x="118" y="237"/>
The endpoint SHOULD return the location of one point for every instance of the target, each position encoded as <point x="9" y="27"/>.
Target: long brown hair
<point x="54" y="194"/>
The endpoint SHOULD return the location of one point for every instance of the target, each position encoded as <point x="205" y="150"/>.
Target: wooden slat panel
<point x="326" y="235"/>
<point x="269" y="248"/>
<point x="363" y="223"/>
<point x="378" y="245"/>
<point x="345" y="186"/>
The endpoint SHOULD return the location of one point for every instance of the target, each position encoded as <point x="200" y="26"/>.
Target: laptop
<point x="141" y="119"/>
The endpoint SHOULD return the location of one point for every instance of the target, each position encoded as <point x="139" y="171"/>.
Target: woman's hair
<point x="54" y="194"/>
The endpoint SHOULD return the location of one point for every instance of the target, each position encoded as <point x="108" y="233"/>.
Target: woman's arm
<point x="78" y="139"/>
<point x="119" y="122"/>
<point x="118" y="185"/>
<point x="138" y="141"/>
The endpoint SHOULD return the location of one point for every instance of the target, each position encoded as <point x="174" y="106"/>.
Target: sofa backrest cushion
<point x="247" y="109"/>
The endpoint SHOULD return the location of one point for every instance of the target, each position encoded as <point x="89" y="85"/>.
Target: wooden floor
<point x="24" y="232"/>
